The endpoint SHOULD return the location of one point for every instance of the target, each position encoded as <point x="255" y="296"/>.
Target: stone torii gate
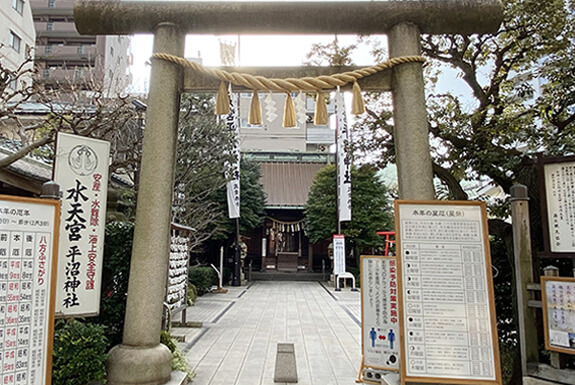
<point x="141" y="359"/>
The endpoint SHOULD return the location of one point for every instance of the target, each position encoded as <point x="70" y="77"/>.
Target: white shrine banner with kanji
<point x="81" y="170"/>
<point x="343" y="161"/>
<point x="233" y="186"/>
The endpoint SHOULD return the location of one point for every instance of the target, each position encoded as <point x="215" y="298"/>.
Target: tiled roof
<point x="287" y="184"/>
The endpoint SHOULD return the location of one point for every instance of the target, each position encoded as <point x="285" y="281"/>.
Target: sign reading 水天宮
<point x="559" y="313"/>
<point x="379" y="312"/>
<point x="338" y="254"/>
<point x="81" y="170"/>
<point x="560" y="193"/>
<point x="28" y="235"/>
<point x="448" y="325"/>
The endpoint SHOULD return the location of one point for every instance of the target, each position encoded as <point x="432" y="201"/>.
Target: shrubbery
<point x="178" y="358"/>
<point x="79" y="354"/>
<point x="203" y="278"/>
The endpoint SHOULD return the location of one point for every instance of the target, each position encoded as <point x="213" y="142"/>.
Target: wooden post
<point x="523" y="275"/>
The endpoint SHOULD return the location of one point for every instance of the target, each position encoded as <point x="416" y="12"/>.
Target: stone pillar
<point x="411" y="133"/>
<point x="523" y="276"/>
<point x="141" y="359"/>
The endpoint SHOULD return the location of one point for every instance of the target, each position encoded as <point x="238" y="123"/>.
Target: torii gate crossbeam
<point x="141" y="359"/>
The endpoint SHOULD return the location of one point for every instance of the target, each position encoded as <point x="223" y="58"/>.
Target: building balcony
<point x="65" y="76"/>
<point x="78" y="53"/>
<point x="52" y="7"/>
<point x="319" y="135"/>
<point x="55" y="29"/>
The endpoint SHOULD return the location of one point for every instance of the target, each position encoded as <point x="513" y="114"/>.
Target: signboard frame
<point x="541" y="163"/>
<point x="447" y="205"/>
<point x="363" y="277"/>
<point x="544" y="281"/>
<point x="54" y="205"/>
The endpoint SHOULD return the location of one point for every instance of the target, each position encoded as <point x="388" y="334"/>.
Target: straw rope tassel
<point x="289" y="113"/>
<point x="255" y="115"/>
<point x="320" y="117"/>
<point x="222" y="100"/>
<point x="357" y="107"/>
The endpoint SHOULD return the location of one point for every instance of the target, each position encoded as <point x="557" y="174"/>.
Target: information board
<point x="559" y="313"/>
<point x="338" y="254"/>
<point x="448" y="327"/>
<point x="28" y="245"/>
<point x="81" y="170"/>
<point x="560" y="194"/>
<point x="379" y="312"/>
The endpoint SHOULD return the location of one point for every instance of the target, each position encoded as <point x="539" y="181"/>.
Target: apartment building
<point x="64" y="57"/>
<point x="17" y="37"/>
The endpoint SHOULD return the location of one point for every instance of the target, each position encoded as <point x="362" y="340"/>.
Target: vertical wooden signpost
<point x="448" y="330"/>
<point x="28" y="249"/>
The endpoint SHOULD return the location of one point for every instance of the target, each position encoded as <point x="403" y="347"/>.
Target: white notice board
<point x="338" y="254"/>
<point x="558" y="296"/>
<point x="448" y="327"/>
<point x="28" y="247"/>
<point x="379" y="312"/>
<point x="81" y="170"/>
<point x="559" y="182"/>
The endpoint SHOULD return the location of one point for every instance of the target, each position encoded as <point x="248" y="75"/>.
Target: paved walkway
<point x="238" y="340"/>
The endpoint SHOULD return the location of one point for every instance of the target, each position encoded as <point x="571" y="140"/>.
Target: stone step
<point x="280" y="276"/>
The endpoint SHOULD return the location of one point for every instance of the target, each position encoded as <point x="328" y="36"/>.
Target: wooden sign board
<point x="560" y="205"/>
<point x="379" y="313"/>
<point x="28" y="250"/>
<point x="558" y="296"/>
<point x="448" y="329"/>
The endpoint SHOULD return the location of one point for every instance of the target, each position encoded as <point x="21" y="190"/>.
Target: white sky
<point x="254" y="50"/>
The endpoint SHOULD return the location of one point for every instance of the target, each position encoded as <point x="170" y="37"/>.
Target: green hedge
<point x="203" y="278"/>
<point x="79" y="354"/>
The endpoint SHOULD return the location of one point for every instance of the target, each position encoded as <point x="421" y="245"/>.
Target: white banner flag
<point x="233" y="186"/>
<point x="81" y="170"/>
<point x="343" y="161"/>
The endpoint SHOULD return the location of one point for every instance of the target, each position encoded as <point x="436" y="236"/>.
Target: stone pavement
<point x="238" y="340"/>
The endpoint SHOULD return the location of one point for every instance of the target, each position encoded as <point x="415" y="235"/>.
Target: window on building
<point x="81" y="49"/>
<point x="48" y="49"/>
<point x="15" y="41"/>
<point x="50" y="26"/>
<point x="244" y="124"/>
<point x="18" y="5"/>
<point x="51" y="3"/>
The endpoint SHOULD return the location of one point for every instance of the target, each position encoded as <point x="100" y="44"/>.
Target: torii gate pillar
<point x="141" y="359"/>
<point x="411" y="133"/>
